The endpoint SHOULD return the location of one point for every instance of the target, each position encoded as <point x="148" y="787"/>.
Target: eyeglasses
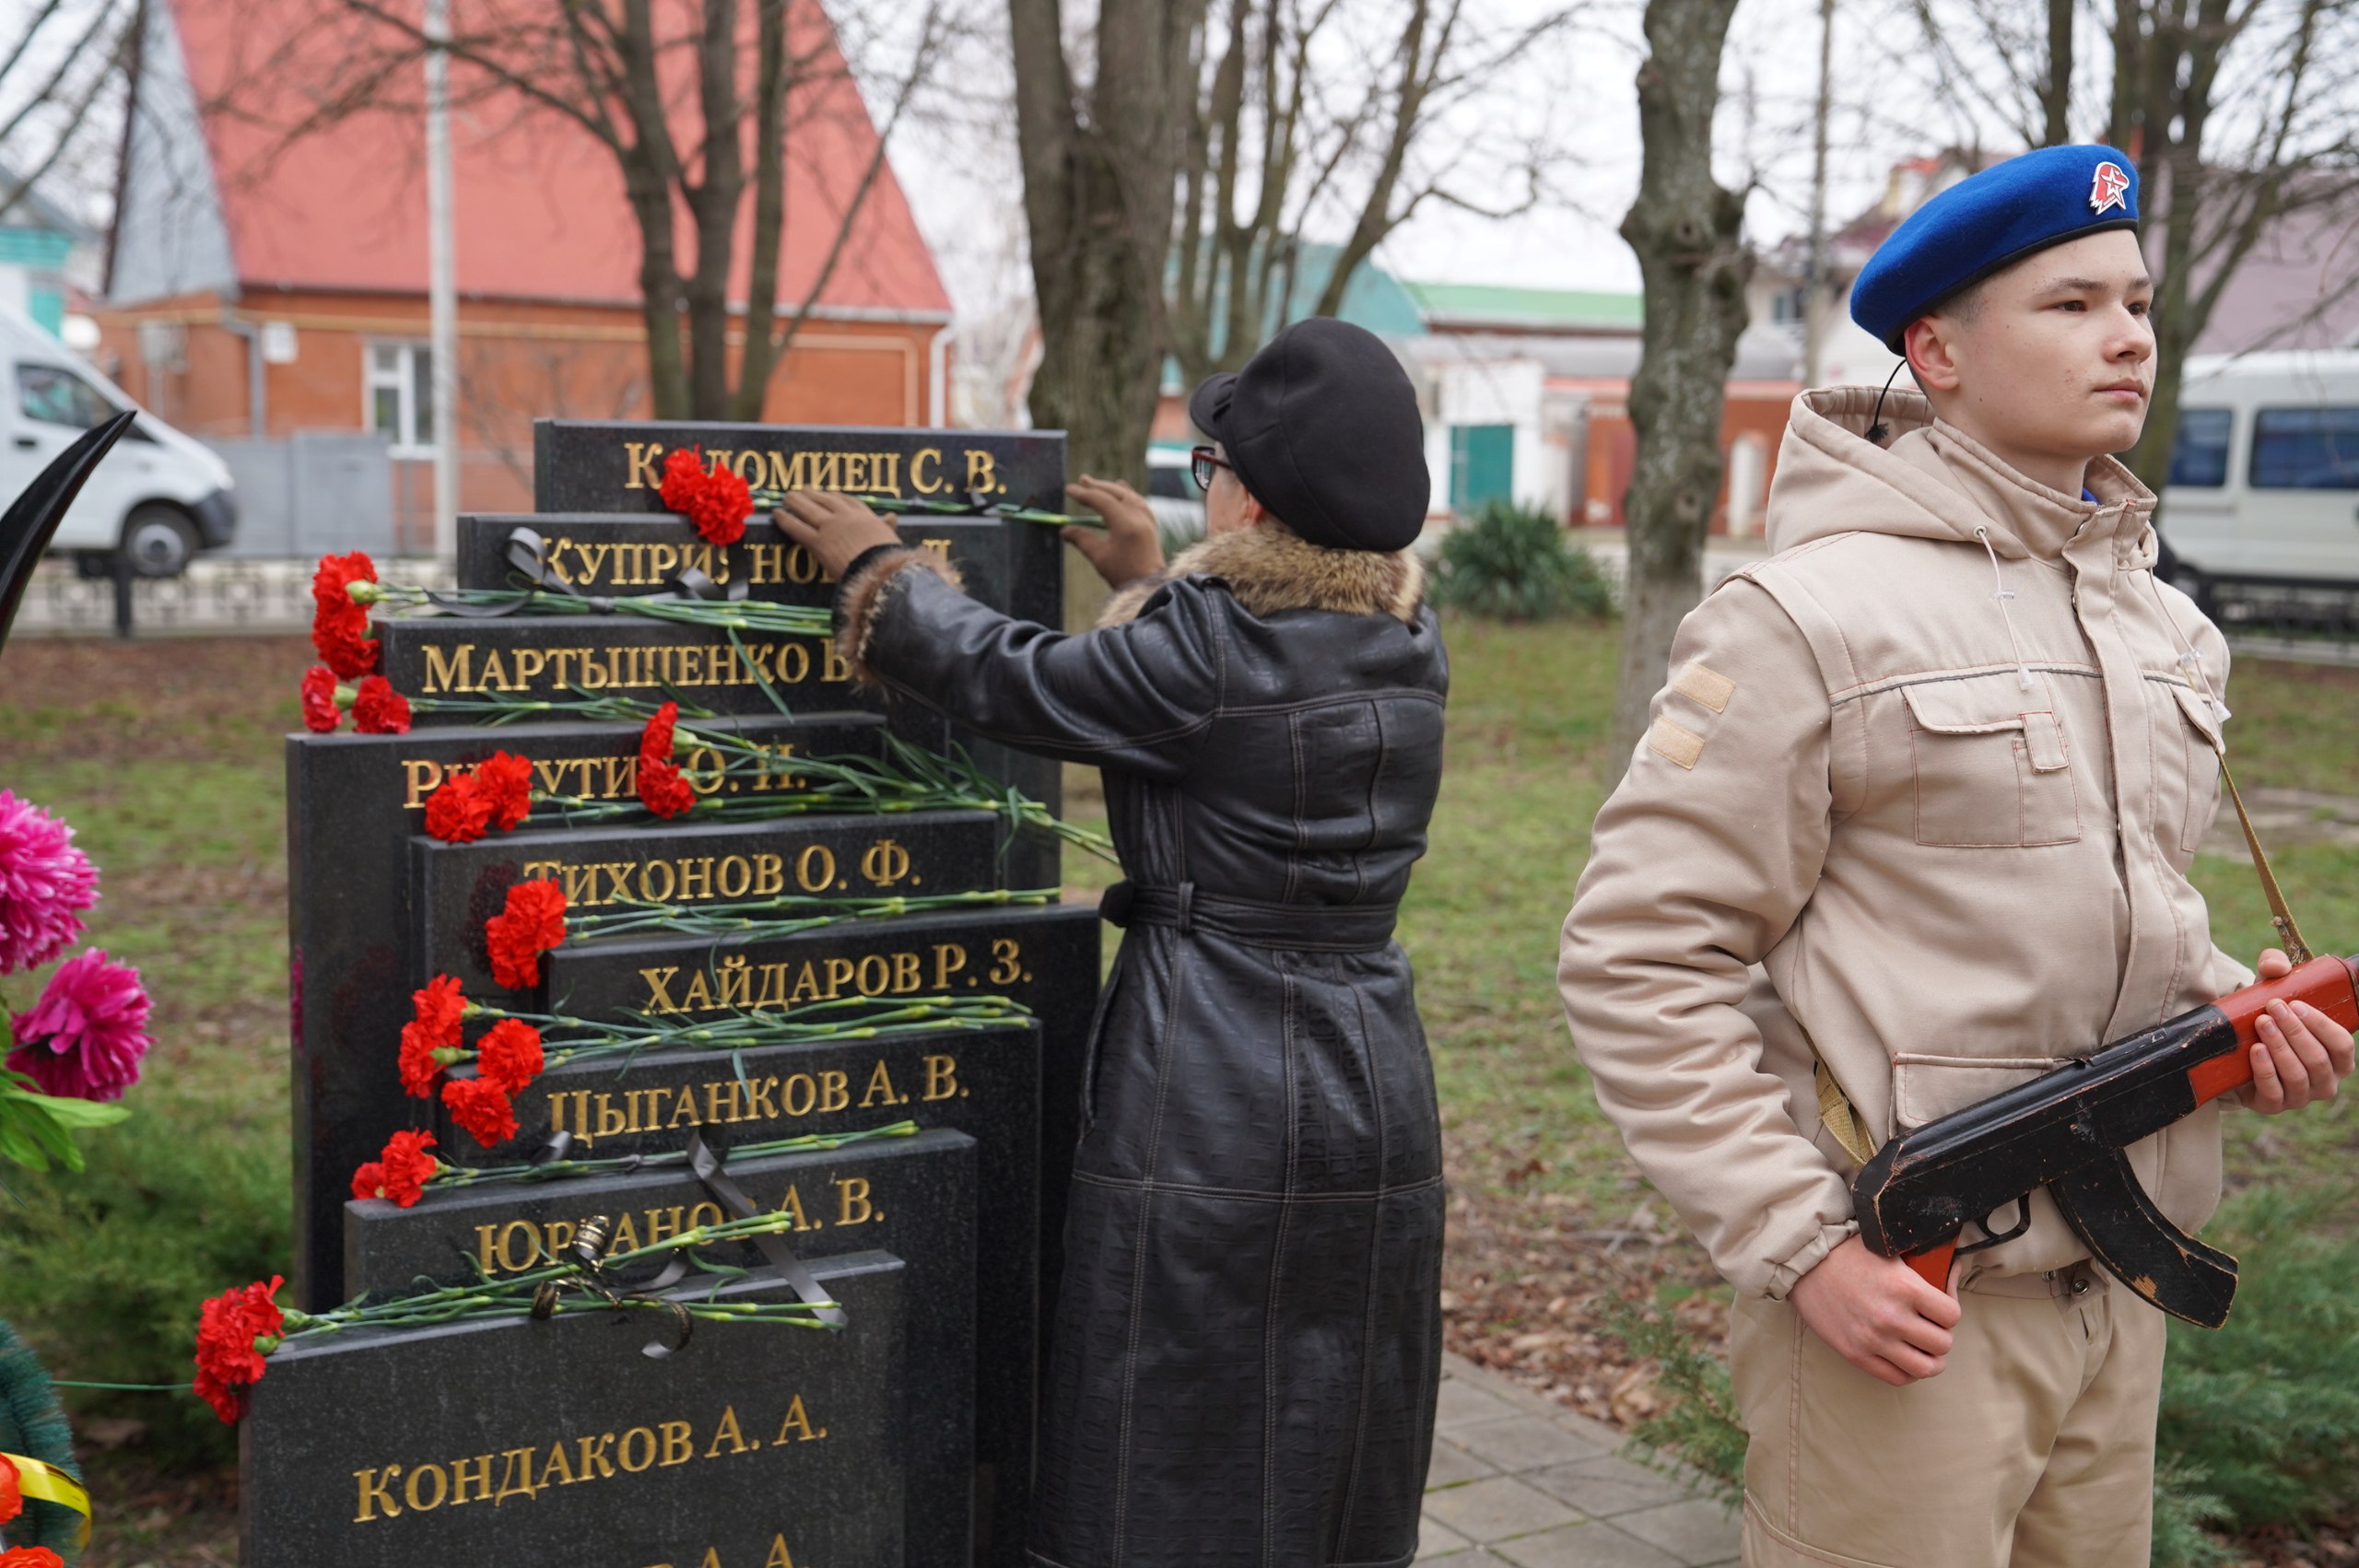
<point x="1203" y="459"/>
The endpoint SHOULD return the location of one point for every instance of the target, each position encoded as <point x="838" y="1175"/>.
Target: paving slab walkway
<point x="1520" y="1479"/>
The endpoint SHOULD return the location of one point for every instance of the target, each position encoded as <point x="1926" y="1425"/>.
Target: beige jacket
<point x="1941" y="835"/>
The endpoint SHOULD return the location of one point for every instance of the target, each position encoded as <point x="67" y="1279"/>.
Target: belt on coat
<point x="1300" y="928"/>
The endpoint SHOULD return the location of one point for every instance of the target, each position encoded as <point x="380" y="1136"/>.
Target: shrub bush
<point x="103" y="1272"/>
<point x="1512" y="563"/>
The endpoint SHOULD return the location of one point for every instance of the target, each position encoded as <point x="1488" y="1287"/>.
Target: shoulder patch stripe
<point x="1702" y="685"/>
<point x="1667" y="740"/>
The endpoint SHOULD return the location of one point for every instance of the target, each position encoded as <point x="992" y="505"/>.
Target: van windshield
<point x="56" y="396"/>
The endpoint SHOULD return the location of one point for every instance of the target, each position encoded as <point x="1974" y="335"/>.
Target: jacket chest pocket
<point x="2185" y="812"/>
<point x="1992" y="768"/>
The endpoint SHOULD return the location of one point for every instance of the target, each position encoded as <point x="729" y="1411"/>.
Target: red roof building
<point x="261" y="283"/>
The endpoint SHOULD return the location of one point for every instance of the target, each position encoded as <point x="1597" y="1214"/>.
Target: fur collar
<point x="1271" y="568"/>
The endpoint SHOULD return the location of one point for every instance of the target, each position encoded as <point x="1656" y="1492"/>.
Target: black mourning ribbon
<point x="704" y="1160"/>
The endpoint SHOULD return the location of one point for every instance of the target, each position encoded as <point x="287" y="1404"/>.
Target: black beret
<point x="1323" y="426"/>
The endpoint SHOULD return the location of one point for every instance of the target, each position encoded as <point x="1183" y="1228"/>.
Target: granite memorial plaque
<point x="606" y="870"/>
<point x="353" y="802"/>
<point x="560" y="657"/>
<point x="558" y="1443"/>
<point x="914" y="1198"/>
<point x="582" y="466"/>
<point x="983" y="1083"/>
<point x="621" y="555"/>
<point x="1046" y="958"/>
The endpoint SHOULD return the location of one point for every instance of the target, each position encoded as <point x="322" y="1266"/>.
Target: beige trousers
<point x="2033" y="1448"/>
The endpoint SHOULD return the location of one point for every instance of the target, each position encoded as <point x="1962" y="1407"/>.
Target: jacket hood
<point x="1931" y="480"/>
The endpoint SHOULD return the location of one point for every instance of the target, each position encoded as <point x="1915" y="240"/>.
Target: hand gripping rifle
<point x="2068" y="1130"/>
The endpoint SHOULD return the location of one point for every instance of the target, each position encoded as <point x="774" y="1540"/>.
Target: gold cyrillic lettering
<point x="983" y="472"/>
<point x="612" y="1123"/>
<point x="769" y="875"/>
<point x="798" y="1421"/>
<point x="461" y="1476"/>
<point x="735" y="867"/>
<point x="881" y="973"/>
<point x="640" y="470"/>
<point x="794" y="662"/>
<point x="737" y="981"/>
<point x="441" y="1488"/>
<point x="623" y="1450"/>
<point x="880" y="1088"/>
<point x="852" y="1207"/>
<point x="556" y="1464"/>
<point x="884" y="863"/>
<point x="925" y="483"/>
<point x="815" y="869"/>
<point x="906" y="976"/>
<point x="679" y="1444"/>
<point x="835" y="1091"/>
<point x="780" y="1557"/>
<point x="699" y="996"/>
<point x="940" y="1078"/>
<point x="839" y="973"/>
<point x="594" y="1463"/>
<point x="949" y="958"/>
<point x="519" y="1463"/>
<point x="509" y="1262"/>
<point x="528" y="664"/>
<point x="809" y="1088"/>
<point x="422" y="775"/>
<point x="806" y="984"/>
<point x="451" y="672"/>
<point x="717" y="1112"/>
<point x="696" y="880"/>
<point x="759" y="1106"/>
<point x="792" y="1204"/>
<point x="728" y="1430"/>
<point x="647" y="882"/>
<point x="375" y="1493"/>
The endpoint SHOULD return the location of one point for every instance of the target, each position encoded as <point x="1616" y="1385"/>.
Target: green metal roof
<point x="1485" y="304"/>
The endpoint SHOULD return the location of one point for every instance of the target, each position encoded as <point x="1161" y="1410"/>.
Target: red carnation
<point x="528" y="924"/>
<point x="12" y="1497"/>
<point x="439" y="1009"/>
<point x="506" y="785"/>
<point x="655" y="741"/>
<point x="458" y="811"/>
<point x="320" y="714"/>
<point x="661" y="790"/>
<point x="30" y="1557"/>
<point x="403" y="1171"/>
<point x="510" y="1055"/>
<point x="482" y="1107"/>
<point x="716" y="504"/>
<point x="229" y="1356"/>
<point x="419" y="1064"/>
<point x="380" y="709"/>
<point x="339" y="626"/>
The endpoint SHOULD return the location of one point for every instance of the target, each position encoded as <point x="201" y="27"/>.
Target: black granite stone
<point x="914" y="1198"/>
<point x="352" y="803"/>
<point x="583" y="466"/>
<point x="1046" y="958"/>
<point x="604" y="553"/>
<point x="983" y="1083"/>
<point x="752" y="1446"/>
<point x="617" y="465"/>
<point x="456" y="887"/>
<point x="558" y="657"/>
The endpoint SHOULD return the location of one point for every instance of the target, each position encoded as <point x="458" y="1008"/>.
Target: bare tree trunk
<point x="1684" y="228"/>
<point x="2055" y="95"/>
<point x="1098" y="191"/>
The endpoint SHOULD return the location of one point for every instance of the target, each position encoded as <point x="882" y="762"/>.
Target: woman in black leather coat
<point x="1247" y="1340"/>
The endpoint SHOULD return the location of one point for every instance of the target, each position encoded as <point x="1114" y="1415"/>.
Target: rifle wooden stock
<point x="2068" y="1129"/>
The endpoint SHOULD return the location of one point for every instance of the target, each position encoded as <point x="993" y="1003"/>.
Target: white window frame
<point x="403" y="383"/>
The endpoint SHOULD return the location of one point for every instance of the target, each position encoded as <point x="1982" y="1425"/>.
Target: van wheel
<point x="159" y="539"/>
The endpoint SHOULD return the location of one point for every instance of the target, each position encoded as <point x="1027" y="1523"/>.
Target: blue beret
<point x="1990" y="221"/>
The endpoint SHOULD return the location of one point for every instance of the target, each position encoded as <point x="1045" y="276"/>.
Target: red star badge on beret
<point x="2111" y="188"/>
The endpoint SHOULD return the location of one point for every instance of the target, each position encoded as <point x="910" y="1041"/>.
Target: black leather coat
<point x="1247" y="1343"/>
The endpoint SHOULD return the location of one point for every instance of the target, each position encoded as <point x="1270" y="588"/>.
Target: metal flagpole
<point x="442" y="291"/>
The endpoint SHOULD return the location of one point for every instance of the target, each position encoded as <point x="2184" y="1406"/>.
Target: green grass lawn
<point x="166" y="756"/>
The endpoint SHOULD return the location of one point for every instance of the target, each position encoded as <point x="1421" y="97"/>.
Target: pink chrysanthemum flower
<point x="85" y="1037"/>
<point x="44" y="882"/>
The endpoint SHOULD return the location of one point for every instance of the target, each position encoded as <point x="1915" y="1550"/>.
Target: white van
<point x="2265" y="479"/>
<point x="159" y="497"/>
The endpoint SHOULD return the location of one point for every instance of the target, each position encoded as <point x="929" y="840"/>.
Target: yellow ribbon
<point x="37" y="1477"/>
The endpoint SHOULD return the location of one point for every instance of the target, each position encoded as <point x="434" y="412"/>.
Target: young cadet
<point x="1912" y="824"/>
